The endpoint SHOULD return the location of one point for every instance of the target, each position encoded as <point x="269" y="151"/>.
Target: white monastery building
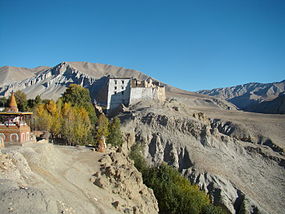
<point x="128" y="91"/>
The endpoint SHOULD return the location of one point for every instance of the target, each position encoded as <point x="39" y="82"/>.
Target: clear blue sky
<point x="191" y="44"/>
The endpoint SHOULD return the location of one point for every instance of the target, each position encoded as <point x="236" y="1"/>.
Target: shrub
<point x="211" y="209"/>
<point x="174" y="193"/>
<point x="137" y="157"/>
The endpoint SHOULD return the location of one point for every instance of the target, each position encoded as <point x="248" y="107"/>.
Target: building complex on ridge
<point x="128" y="91"/>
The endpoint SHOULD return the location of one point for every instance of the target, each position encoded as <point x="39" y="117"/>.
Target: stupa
<point x="13" y="127"/>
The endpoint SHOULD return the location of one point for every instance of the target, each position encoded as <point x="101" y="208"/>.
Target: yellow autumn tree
<point x="56" y="119"/>
<point x="76" y="127"/>
<point x="42" y="118"/>
<point x="48" y="118"/>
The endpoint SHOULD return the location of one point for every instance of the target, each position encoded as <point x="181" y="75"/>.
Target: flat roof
<point x="114" y="78"/>
<point x="16" y="113"/>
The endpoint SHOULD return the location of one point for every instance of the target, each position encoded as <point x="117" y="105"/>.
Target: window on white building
<point x="123" y="81"/>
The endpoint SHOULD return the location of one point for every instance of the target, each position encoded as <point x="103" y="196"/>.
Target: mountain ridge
<point x="10" y="74"/>
<point x="248" y="94"/>
<point x="52" y="82"/>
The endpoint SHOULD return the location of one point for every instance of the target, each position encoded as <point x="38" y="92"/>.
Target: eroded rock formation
<point x="240" y="169"/>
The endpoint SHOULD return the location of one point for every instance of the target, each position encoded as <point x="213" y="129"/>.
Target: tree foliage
<point x="102" y="127"/>
<point x="174" y="193"/>
<point x="115" y="137"/>
<point x="32" y="103"/>
<point x="3" y="102"/>
<point x="48" y="118"/>
<point x="79" y="96"/>
<point x="21" y="99"/>
<point x="137" y="156"/>
<point x="76" y="127"/>
<point x="73" y="119"/>
<point x="211" y="209"/>
<point x="69" y="122"/>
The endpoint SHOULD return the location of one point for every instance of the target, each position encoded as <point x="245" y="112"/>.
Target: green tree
<point x="76" y="95"/>
<point x="21" y="99"/>
<point x="136" y="155"/>
<point x="115" y="138"/>
<point x="79" y="96"/>
<point x="102" y="127"/>
<point x="3" y="102"/>
<point x="32" y="103"/>
<point x="38" y="100"/>
<point x="174" y="193"/>
<point x="211" y="209"/>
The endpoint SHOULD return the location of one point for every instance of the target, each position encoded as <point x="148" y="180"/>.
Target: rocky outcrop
<point x="231" y="163"/>
<point x="118" y="176"/>
<point x="48" y="179"/>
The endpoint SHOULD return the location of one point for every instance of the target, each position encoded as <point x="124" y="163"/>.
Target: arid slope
<point x="237" y="157"/>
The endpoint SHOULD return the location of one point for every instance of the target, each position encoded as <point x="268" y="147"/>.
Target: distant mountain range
<point x="255" y="97"/>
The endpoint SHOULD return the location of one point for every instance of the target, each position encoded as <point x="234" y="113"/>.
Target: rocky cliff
<point x="240" y="166"/>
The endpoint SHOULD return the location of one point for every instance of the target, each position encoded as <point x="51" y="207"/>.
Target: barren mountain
<point x="276" y="106"/>
<point x="248" y="94"/>
<point x="52" y="82"/>
<point x="10" y="74"/>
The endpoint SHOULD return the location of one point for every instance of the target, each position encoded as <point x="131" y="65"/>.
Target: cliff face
<point x="48" y="179"/>
<point x="240" y="167"/>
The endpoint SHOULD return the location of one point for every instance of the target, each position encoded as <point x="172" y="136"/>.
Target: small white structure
<point x="129" y="91"/>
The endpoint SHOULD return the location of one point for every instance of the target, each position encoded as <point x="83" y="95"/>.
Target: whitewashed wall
<point x="118" y="92"/>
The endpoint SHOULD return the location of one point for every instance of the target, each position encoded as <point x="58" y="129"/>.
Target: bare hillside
<point x="237" y="157"/>
<point x="48" y="179"/>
